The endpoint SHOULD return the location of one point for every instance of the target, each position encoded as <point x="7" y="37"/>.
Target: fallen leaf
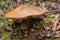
<point x="9" y="28"/>
<point x="1" y="12"/>
<point x="1" y="39"/>
<point x="58" y="27"/>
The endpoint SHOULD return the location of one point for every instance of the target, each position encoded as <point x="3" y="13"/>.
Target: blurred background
<point x="53" y="7"/>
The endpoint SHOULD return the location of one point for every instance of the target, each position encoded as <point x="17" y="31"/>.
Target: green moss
<point x="57" y="39"/>
<point x="48" y="39"/>
<point x="51" y="17"/>
<point x="10" y="22"/>
<point x="1" y="19"/>
<point x="6" y="36"/>
<point x="6" y="1"/>
<point x="1" y="3"/>
<point x="2" y="26"/>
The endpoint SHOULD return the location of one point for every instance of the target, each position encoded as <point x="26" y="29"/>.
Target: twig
<point x="55" y="21"/>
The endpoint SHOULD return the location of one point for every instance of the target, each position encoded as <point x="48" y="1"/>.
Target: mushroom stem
<point x="25" y="27"/>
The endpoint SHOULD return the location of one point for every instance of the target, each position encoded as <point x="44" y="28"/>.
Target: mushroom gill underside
<point x="31" y="28"/>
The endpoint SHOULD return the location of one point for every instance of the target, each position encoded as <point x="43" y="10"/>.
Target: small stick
<point x="55" y="21"/>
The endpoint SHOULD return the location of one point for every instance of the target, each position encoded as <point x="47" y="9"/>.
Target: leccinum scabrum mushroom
<point x="25" y="12"/>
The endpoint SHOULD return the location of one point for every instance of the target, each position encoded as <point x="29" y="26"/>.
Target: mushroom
<point x="25" y="12"/>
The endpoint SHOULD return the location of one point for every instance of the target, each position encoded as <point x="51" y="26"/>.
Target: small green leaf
<point x="1" y="2"/>
<point x="52" y="15"/>
<point x="1" y="19"/>
<point x="32" y="30"/>
<point x="6" y="35"/>
<point x="10" y="21"/>
<point x="41" y="3"/>
<point x="1" y="25"/>
<point x="48" y="39"/>
<point x="27" y="0"/>
<point x="57" y="39"/>
<point x="15" y="30"/>
<point x="50" y="19"/>
<point x="53" y="0"/>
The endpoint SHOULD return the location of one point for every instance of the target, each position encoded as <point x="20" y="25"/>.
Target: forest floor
<point x="49" y="28"/>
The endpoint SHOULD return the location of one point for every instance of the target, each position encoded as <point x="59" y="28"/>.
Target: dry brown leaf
<point x="58" y="27"/>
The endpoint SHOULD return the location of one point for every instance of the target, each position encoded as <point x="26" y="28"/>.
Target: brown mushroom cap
<point x="25" y="11"/>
